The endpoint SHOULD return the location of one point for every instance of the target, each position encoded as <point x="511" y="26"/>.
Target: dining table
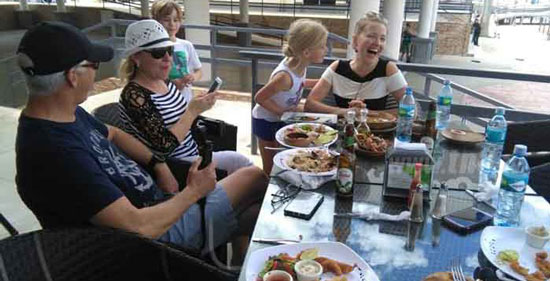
<point x="382" y="244"/>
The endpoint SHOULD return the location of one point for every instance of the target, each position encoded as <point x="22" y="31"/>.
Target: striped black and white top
<point x="373" y="89"/>
<point x="148" y="116"/>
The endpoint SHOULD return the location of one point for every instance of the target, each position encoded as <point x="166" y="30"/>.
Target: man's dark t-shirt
<point x="67" y="172"/>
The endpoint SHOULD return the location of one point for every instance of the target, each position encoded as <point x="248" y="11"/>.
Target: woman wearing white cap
<point x="158" y="114"/>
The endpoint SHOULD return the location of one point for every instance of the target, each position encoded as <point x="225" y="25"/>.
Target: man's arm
<point x="142" y="155"/>
<point x="156" y="220"/>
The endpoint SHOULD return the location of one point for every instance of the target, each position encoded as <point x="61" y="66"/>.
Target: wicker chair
<point x="97" y="254"/>
<point x="534" y="134"/>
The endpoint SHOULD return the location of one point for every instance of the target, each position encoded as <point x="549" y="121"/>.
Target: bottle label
<point x="444" y="100"/>
<point x="406" y="111"/>
<point x="514" y="182"/>
<point x="349" y="141"/>
<point x="495" y="135"/>
<point x="344" y="180"/>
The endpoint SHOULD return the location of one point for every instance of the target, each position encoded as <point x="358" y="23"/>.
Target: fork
<point x="456" y="270"/>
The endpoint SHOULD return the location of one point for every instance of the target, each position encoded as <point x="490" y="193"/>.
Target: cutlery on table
<point x="456" y="271"/>
<point x="276" y="241"/>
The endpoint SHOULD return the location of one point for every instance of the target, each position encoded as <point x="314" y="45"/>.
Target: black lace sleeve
<point x="146" y="119"/>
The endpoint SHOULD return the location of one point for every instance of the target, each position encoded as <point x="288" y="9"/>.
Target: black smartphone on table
<point x="304" y="205"/>
<point x="216" y="85"/>
<point x="467" y="220"/>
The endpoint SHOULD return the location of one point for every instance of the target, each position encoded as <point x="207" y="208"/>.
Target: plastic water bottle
<point x="407" y="108"/>
<point x="444" y="101"/>
<point x="512" y="188"/>
<point x="495" y="134"/>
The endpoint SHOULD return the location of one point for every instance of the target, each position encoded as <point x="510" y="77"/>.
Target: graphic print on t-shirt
<point x="117" y="166"/>
<point x="179" y="65"/>
<point x="295" y="99"/>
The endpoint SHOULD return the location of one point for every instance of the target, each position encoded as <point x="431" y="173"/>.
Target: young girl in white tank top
<point x="306" y="44"/>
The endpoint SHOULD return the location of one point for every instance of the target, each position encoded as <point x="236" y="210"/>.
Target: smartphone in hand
<point x="216" y="85"/>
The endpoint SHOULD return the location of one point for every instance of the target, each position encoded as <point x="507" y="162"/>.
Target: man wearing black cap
<point x="73" y="170"/>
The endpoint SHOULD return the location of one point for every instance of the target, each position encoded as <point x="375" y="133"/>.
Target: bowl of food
<point x="537" y="236"/>
<point x="298" y="139"/>
<point x="308" y="270"/>
<point x="381" y="120"/>
<point x="371" y="145"/>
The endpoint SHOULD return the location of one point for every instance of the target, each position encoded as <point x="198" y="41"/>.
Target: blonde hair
<point x="162" y="8"/>
<point x="127" y="70"/>
<point x="303" y="34"/>
<point x="370" y="16"/>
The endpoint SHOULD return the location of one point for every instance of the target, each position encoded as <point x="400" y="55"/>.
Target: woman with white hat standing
<point x="159" y="115"/>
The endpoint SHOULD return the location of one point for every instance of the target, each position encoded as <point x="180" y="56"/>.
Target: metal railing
<point x="475" y="114"/>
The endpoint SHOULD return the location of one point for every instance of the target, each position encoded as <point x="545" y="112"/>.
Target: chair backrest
<point x="534" y="134"/>
<point x="108" y="114"/>
<point x="97" y="254"/>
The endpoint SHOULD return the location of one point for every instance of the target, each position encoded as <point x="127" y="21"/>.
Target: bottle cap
<point x="418" y="166"/>
<point x="409" y="91"/>
<point x="447" y="82"/>
<point x="500" y="111"/>
<point x="350" y="115"/>
<point x="520" y="150"/>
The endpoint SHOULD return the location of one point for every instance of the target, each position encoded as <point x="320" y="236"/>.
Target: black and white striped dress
<point x="148" y="116"/>
<point x="373" y="89"/>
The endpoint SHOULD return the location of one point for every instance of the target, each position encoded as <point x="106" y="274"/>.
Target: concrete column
<point x="358" y="8"/>
<point x="23" y="5"/>
<point x="394" y="13"/>
<point x="486" y="18"/>
<point x="425" y="18"/>
<point x="144" y="8"/>
<point x="243" y="11"/>
<point x="198" y="12"/>
<point x="434" y="15"/>
<point x="61" y="6"/>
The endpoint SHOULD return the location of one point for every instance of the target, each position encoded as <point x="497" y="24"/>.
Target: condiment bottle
<point x="416" y="180"/>
<point x="417" y="204"/>
<point x="363" y="127"/>
<point x="440" y="207"/>
<point x="346" y="160"/>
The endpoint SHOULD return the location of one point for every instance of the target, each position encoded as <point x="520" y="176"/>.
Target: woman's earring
<point x="355" y="49"/>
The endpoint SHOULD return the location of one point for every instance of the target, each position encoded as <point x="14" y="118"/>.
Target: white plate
<point x="333" y="250"/>
<point x="280" y="135"/>
<point x="318" y="117"/>
<point x="281" y="158"/>
<point x="495" y="239"/>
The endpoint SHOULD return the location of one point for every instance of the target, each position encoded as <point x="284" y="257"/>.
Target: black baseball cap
<point x="55" y="46"/>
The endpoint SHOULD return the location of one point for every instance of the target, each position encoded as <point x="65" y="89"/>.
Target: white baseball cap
<point x="145" y="34"/>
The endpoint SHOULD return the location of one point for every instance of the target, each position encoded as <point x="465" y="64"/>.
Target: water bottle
<point x="512" y="188"/>
<point x="495" y="134"/>
<point x="407" y="108"/>
<point x="444" y="101"/>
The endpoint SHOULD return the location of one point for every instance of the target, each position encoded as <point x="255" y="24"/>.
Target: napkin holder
<point x="399" y="171"/>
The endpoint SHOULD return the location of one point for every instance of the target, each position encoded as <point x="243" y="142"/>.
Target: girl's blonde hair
<point x="162" y="8"/>
<point x="303" y="34"/>
<point x="370" y="16"/>
<point x="127" y="70"/>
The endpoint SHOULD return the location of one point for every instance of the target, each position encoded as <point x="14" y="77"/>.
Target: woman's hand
<point x="188" y="79"/>
<point x="201" y="182"/>
<point x="202" y="102"/>
<point x="357" y="104"/>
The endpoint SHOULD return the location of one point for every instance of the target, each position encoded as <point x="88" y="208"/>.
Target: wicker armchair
<point x="98" y="254"/>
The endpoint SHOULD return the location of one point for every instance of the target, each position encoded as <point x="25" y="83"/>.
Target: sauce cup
<point x="277" y="275"/>
<point x="308" y="270"/>
<point x="537" y="236"/>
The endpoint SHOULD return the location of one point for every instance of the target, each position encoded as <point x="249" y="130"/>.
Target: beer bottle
<point x="430" y="130"/>
<point x="346" y="160"/>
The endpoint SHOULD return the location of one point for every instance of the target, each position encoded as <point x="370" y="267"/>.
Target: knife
<point x="274" y="241"/>
<point x="471" y="193"/>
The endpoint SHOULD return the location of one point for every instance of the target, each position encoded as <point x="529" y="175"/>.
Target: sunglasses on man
<point x="158" y="53"/>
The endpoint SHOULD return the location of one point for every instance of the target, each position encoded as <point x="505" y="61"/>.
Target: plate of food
<point x="462" y="136"/>
<point x="507" y="248"/>
<point x="334" y="260"/>
<point x="293" y="117"/>
<point x="308" y="161"/>
<point x="371" y="145"/>
<point x="306" y="135"/>
<point x="381" y="120"/>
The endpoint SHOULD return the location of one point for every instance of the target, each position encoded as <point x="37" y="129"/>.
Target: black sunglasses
<point x="94" y="65"/>
<point x="158" y="53"/>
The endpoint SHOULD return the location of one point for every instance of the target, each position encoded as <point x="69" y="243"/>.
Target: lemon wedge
<point x="309" y="254"/>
